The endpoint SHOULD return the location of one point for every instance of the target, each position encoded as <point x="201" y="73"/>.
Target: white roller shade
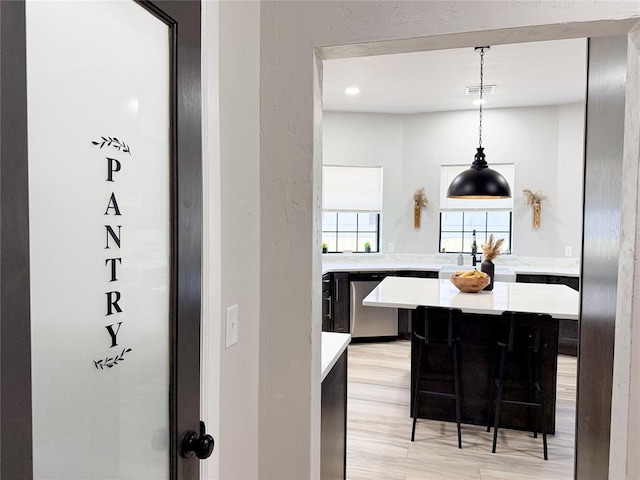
<point x="352" y="189"/>
<point x="449" y="172"/>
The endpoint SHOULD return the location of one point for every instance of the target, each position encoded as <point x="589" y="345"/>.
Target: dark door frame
<point x="596" y="354"/>
<point x="602" y="207"/>
<point x="16" y="457"/>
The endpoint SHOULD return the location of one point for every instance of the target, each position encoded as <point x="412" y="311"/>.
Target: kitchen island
<point x="559" y="301"/>
<point x="480" y="323"/>
<point x="341" y="271"/>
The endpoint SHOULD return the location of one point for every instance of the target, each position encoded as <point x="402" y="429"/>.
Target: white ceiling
<point x="526" y="74"/>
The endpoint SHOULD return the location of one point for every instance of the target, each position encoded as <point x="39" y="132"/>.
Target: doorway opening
<point x="410" y="115"/>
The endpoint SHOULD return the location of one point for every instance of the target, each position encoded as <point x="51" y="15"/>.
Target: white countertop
<point x="333" y="344"/>
<point x="559" y="301"/>
<point x="435" y="263"/>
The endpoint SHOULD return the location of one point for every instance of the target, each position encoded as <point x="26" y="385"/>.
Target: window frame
<point x="337" y="231"/>
<point x="485" y="231"/>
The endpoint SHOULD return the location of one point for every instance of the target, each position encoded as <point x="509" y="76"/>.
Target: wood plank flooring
<point x="379" y="429"/>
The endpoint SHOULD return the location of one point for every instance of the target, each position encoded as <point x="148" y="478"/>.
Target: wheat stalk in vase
<point x="492" y="248"/>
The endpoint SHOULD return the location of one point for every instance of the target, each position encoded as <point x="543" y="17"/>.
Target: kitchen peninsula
<point x="481" y="317"/>
<point x="333" y="424"/>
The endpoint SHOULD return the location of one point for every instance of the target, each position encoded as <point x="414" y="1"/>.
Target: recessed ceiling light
<point x="352" y="91"/>
<point x="479" y="101"/>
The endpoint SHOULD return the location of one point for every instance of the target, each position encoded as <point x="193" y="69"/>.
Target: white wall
<point x="545" y="143"/>
<point x="290" y="256"/>
<point x="375" y="140"/>
<point x="569" y="193"/>
<point x="211" y="251"/>
<point x="232" y="230"/>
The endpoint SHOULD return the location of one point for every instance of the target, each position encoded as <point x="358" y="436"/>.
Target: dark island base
<point x="477" y="354"/>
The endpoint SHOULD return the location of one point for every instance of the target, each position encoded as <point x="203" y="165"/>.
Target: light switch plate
<point x="568" y="251"/>
<point x="390" y="247"/>
<point x="231" y="330"/>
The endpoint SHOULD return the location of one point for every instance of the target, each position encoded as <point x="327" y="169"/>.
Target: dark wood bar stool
<point x="522" y="386"/>
<point x="435" y="329"/>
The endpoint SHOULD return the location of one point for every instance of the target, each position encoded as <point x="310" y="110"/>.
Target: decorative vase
<point x="324" y="249"/>
<point x="367" y="249"/>
<point x="489" y="268"/>
<point x="416" y="216"/>
<point x="536" y="215"/>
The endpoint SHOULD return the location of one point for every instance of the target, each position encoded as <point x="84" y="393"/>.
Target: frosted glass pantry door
<point x="98" y="92"/>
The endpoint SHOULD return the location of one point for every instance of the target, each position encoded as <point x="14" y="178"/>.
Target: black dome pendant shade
<point x="479" y="182"/>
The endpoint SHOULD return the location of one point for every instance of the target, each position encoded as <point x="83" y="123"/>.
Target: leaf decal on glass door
<point x="110" y="362"/>
<point x="112" y="142"/>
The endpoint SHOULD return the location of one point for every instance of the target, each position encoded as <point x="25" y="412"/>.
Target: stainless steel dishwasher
<point x="370" y="321"/>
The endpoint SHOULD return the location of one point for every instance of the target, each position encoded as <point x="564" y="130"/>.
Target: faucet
<point x="474" y="250"/>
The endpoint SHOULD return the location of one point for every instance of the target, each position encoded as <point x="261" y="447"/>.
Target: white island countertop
<point x="559" y="301"/>
<point x="333" y="344"/>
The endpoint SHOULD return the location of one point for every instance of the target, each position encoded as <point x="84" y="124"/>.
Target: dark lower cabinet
<point x="333" y="423"/>
<point x="531" y="278"/>
<point x="327" y="305"/>
<point x="568" y="329"/>
<point x="573" y="282"/>
<point x="341" y="302"/>
<point x="335" y="302"/>
<point x="417" y="273"/>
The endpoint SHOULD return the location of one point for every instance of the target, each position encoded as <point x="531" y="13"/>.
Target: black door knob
<point x="202" y="445"/>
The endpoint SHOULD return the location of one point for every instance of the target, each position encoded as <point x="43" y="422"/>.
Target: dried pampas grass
<point x="491" y="249"/>
<point x="532" y="198"/>
<point x="420" y="198"/>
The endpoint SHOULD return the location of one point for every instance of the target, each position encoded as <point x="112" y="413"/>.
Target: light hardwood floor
<point x="379" y="429"/>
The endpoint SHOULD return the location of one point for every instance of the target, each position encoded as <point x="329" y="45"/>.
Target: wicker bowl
<point x="469" y="285"/>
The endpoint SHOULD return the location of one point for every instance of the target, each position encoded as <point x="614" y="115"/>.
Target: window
<point x="456" y="230"/>
<point x="351" y="207"/>
<point x="459" y="218"/>
<point x="350" y="231"/>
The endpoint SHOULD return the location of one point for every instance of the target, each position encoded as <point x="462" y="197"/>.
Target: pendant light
<point x="479" y="182"/>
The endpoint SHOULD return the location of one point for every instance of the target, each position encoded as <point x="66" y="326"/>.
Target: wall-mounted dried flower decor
<point x="534" y="200"/>
<point x="420" y="201"/>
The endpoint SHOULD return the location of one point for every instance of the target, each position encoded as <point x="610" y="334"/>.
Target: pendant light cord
<point x="479" y="181"/>
<point x="481" y="91"/>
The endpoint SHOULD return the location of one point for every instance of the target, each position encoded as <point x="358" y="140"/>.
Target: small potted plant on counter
<point x="367" y="247"/>
<point x="325" y="248"/>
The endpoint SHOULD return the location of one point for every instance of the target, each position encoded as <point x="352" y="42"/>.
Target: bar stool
<point x="436" y="328"/>
<point x="522" y="337"/>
